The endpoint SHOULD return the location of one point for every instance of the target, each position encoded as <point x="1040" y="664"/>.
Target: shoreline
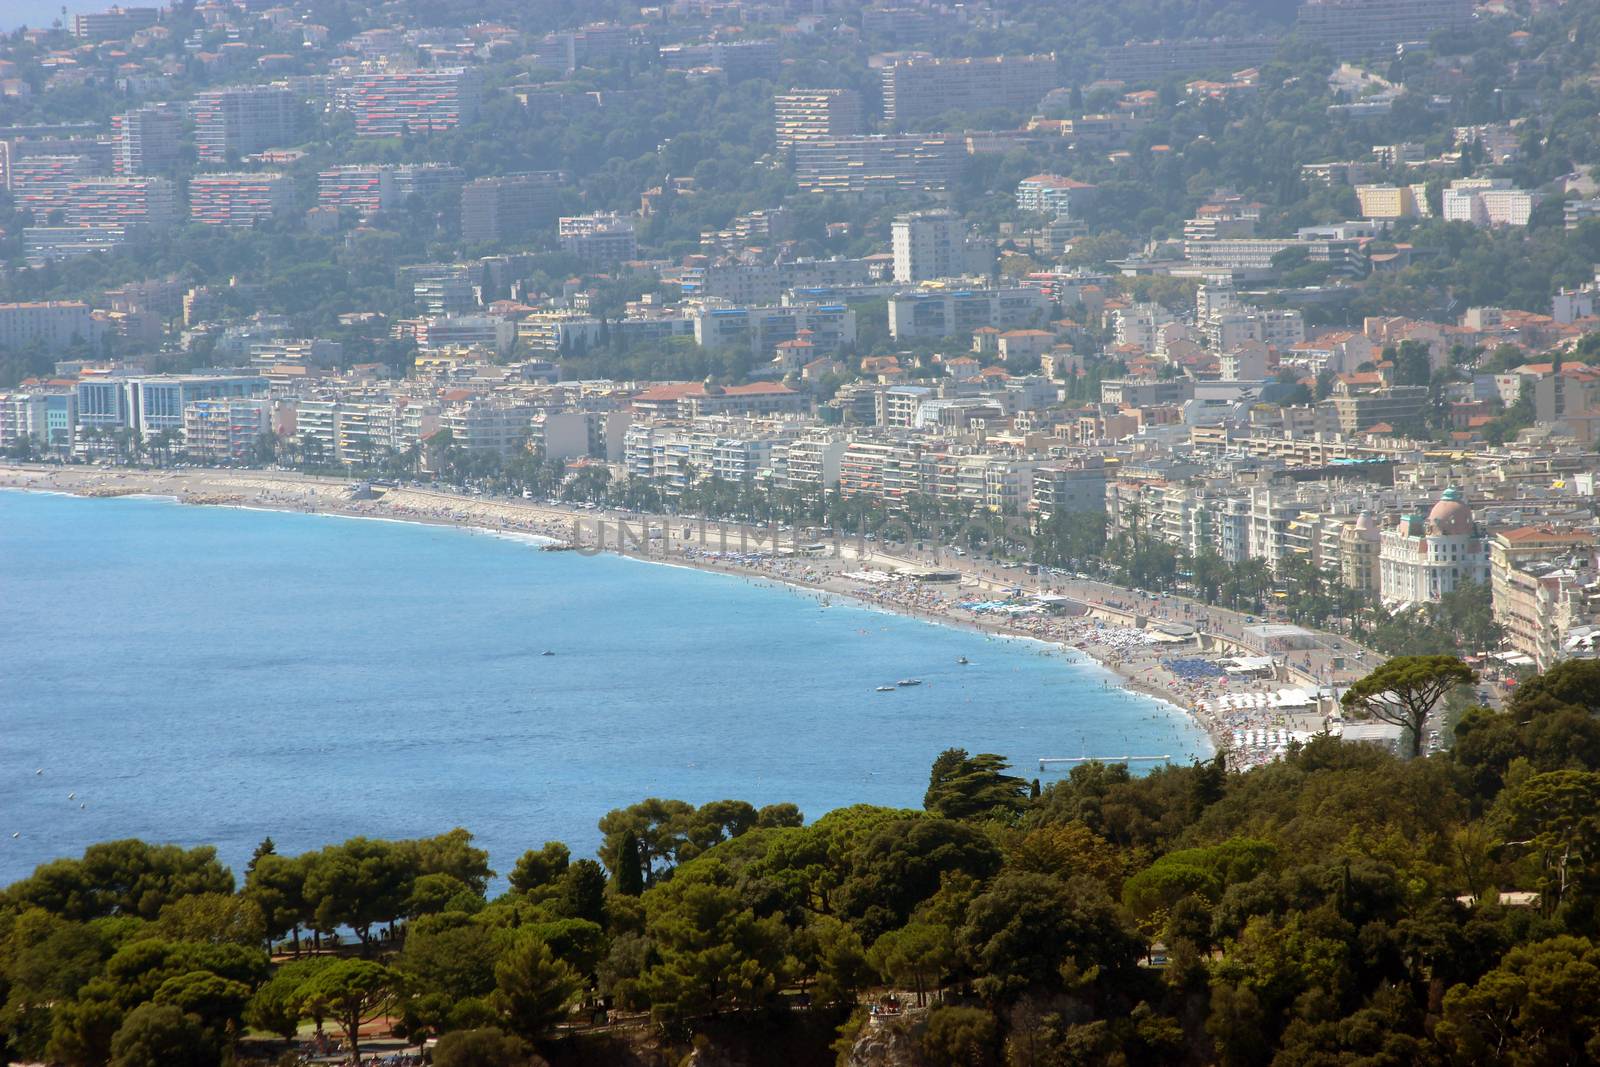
<point x="1127" y="653"/>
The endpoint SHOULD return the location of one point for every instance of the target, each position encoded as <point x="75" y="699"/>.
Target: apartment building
<point x="430" y="182"/>
<point x="45" y="244"/>
<point x="51" y="325"/>
<point x="1390" y="202"/>
<point x="934" y="313"/>
<point x="738" y="60"/>
<point x="568" y="435"/>
<point x="442" y="288"/>
<point x="362" y="187"/>
<point x="814" y="114"/>
<point x="489" y="426"/>
<point x="1488" y="202"/>
<point x="119" y="204"/>
<point x="512" y="207"/>
<point x="878" y="164"/>
<point x="832" y="327"/>
<point x="39" y="184"/>
<point x="1280" y="328"/>
<point x="1255" y="254"/>
<point x="239" y="201"/>
<point x="394" y="103"/>
<point x="348" y="432"/>
<point x="730" y="450"/>
<point x="1052" y="194"/>
<point x="594" y="45"/>
<point x="439" y="332"/>
<point x="303" y="352"/>
<point x="1139" y="325"/>
<point x="928" y="245"/>
<point x="767" y="283"/>
<point x="1400" y="407"/>
<point x="1067" y="486"/>
<point x="149" y="404"/>
<point x="1532" y="574"/>
<point x="917" y="89"/>
<point x="225" y="430"/>
<point x="47" y="416"/>
<point x="1353" y="29"/>
<point x="230" y="124"/>
<point x="812" y="463"/>
<point x="601" y="241"/>
<point x="114" y="22"/>
<point x="146" y="139"/>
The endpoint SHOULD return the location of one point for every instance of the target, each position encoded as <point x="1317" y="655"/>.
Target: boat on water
<point x="963" y="660"/>
<point x="909" y="681"/>
<point x="885" y="688"/>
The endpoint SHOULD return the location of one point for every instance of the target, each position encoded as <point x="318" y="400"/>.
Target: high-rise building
<point x="392" y="103"/>
<point x="45" y="415"/>
<point x="738" y="60"/>
<point x="155" y="402"/>
<point x="595" y="45"/>
<point x="98" y="152"/>
<point x="929" y="244"/>
<point x="809" y="114"/>
<point x="225" y="429"/>
<point x="441" y="288"/>
<point x="363" y="187"/>
<point x="121" y="203"/>
<point x="429" y="181"/>
<point x="1488" y="202"/>
<point x="114" y="22"/>
<point x="878" y="164"/>
<point x="239" y="200"/>
<point x="52" y="325"/>
<point x="508" y="208"/>
<point x="916" y="89"/>
<point x="39" y="184"/>
<point x="146" y="139"/>
<point x="232" y="123"/>
<point x="1362" y="28"/>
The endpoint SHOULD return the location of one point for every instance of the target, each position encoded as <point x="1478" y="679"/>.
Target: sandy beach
<point x="1251" y="719"/>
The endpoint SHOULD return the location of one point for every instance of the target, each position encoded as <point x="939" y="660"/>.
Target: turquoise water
<point x="215" y="675"/>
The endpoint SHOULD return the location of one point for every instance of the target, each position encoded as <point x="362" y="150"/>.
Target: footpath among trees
<point x="1343" y="906"/>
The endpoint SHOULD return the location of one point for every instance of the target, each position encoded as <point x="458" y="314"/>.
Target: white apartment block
<point x="52" y="325"/>
<point x="1488" y="202"/>
<point x="928" y="245"/>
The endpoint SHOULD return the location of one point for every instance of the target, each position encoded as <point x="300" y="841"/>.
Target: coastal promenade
<point x="1127" y="631"/>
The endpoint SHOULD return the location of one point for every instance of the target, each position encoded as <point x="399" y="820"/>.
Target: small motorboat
<point x="885" y="688"/>
<point x="963" y="660"/>
<point x="547" y="652"/>
<point x="909" y="681"/>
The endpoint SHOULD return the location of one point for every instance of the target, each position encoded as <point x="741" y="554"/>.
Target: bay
<point x="217" y="675"/>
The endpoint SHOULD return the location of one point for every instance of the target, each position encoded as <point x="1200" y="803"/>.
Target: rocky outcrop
<point x="884" y="1044"/>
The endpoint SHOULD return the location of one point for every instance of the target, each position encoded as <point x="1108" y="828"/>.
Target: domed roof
<point x="1451" y="517"/>
<point x="1367" y="526"/>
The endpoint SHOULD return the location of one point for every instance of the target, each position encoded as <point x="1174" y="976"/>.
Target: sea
<point x="210" y="675"/>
